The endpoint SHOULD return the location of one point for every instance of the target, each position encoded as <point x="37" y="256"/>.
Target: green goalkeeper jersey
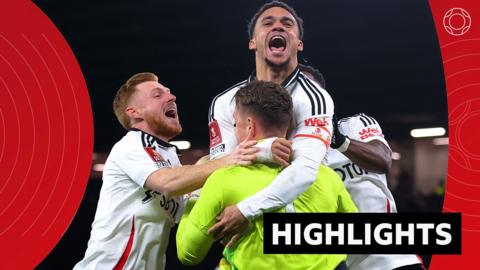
<point x="231" y="185"/>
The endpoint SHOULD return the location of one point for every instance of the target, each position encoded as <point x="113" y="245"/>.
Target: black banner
<point x="362" y="233"/>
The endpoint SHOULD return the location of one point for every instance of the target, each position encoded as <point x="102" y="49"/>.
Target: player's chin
<point x="174" y="128"/>
<point x="169" y="127"/>
<point x="277" y="62"/>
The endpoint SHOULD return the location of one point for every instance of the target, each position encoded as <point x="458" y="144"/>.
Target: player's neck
<point x="265" y="72"/>
<point x="261" y="135"/>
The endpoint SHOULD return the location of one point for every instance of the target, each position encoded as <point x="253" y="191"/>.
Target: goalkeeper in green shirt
<point x="263" y="110"/>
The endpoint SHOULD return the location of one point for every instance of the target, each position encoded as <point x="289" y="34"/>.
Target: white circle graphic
<point x="451" y="19"/>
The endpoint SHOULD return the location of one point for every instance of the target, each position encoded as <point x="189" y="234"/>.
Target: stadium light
<point x="182" y="145"/>
<point x="427" y="132"/>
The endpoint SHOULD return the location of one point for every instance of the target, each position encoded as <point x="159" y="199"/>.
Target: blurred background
<point x="378" y="57"/>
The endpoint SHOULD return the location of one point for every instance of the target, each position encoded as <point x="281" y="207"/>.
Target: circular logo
<point x="457" y="21"/>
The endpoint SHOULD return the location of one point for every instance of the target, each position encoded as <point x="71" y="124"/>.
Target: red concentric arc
<point x="47" y="135"/>
<point x="461" y="57"/>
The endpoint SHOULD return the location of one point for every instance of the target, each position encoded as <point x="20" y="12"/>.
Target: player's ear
<point x="251" y="128"/>
<point x="252" y="45"/>
<point x="300" y="46"/>
<point x="132" y="112"/>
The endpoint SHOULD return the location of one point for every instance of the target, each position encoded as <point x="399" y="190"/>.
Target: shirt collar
<point x="291" y="78"/>
<point x="158" y="140"/>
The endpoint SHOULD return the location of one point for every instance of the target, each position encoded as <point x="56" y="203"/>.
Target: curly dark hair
<point x="253" y="21"/>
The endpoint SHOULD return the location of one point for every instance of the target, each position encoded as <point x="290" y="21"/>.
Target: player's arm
<point x="373" y="156"/>
<point x="309" y="148"/>
<point x="365" y="145"/>
<point x="221" y="126"/>
<point x="274" y="150"/>
<point x="192" y="239"/>
<point x="181" y="180"/>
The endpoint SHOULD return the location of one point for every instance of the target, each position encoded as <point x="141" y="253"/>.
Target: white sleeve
<point x="363" y="128"/>
<point x="136" y="162"/>
<point x="221" y="126"/>
<point x="265" y="155"/>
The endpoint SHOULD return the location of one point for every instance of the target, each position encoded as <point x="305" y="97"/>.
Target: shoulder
<point x="362" y="127"/>
<point x="360" y="119"/>
<point x="224" y="98"/>
<point x="229" y="91"/>
<point x="132" y="140"/>
<point x="358" y="123"/>
<point x="237" y="172"/>
<point x="228" y="172"/>
<point x="328" y="173"/>
<point x="308" y="93"/>
<point x="332" y="178"/>
<point x="133" y="143"/>
<point x="218" y="178"/>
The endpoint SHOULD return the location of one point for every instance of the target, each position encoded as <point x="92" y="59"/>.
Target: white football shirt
<point x="132" y="224"/>
<point x="369" y="190"/>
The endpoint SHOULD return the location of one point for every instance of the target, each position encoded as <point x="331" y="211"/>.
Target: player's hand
<point x="281" y="150"/>
<point x="337" y="138"/>
<point x="230" y="226"/>
<point x="243" y="155"/>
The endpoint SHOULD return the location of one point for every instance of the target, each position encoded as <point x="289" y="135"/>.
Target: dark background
<point x="378" y="57"/>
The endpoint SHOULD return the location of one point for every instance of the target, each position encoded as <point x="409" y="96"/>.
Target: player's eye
<point x="234" y="124"/>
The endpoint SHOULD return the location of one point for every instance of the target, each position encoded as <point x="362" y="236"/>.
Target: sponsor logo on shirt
<point x="217" y="150"/>
<point x="157" y="158"/>
<point x="369" y="132"/>
<point x="169" y="205"/>
<point x="316" y="122"/>
<point x="215" y="135"/>
<point x="350" y="171"/>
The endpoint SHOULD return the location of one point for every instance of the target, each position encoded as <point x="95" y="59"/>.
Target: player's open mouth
<point x="171" y="113"/>
<point x="277" y="44"/>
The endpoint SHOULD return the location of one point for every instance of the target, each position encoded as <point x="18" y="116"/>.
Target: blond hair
<point x="122" y="98"/>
